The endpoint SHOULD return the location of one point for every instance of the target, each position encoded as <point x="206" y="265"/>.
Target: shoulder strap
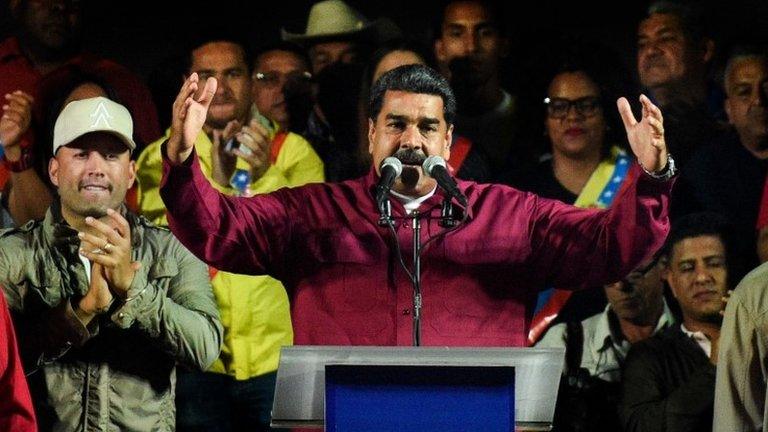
<point x="277" y="144"/>
<point x="459" y="150"/>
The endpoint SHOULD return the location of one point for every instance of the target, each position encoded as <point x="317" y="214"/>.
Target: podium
<point x="417" y="388"/>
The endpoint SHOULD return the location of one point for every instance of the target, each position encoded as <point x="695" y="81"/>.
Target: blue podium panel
<point x="388" y="398"/>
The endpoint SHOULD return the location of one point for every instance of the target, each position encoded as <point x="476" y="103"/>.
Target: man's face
<point x="54" y="24"/>
<point x="747" y="88"/>
<point x="92" y="174"/>
<point x="411" y="125"/>
<point x="272" y="71"/>
<point x="224" y="61"/>
<point x="698" y="275"/>
<point x="640" y="294"/>
<point x="470" y="45"/>
<point x="664" y="53"/>
<point x="326" y="53"/>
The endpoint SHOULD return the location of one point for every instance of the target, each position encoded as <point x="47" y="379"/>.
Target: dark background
<point x="147" y="35"/>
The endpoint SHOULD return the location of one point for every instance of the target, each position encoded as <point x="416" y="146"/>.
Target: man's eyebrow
<point x="429" y="120"/>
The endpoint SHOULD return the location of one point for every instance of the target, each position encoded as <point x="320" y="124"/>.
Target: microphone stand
<point x="416" y="225"/>
<point x="447" y="220"/>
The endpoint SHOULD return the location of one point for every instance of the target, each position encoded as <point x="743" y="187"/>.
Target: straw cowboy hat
<point x="330" y="19"/>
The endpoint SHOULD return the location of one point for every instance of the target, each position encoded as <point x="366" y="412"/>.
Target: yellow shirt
<point x="254" y="309"/>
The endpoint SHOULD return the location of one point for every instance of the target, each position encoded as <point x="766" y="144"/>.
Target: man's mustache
<point x="410" y="156"/>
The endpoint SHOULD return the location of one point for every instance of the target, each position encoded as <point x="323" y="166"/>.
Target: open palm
<point x="646" y="137"/>
<point x="189" y="114"/>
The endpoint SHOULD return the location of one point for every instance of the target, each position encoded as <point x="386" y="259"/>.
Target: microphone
<point x="391" y="168"/>
<point x="434" y="166"/>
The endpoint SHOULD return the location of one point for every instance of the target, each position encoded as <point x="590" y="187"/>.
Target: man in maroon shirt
<point x="341" y="267"/>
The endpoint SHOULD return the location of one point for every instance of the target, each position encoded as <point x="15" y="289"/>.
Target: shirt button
<point x="406" y="311"/>
<point x="121" y="315"/>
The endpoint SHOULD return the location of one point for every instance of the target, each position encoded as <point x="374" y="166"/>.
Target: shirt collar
<point x="431" y="202"/>
<point x="608" y="332"/>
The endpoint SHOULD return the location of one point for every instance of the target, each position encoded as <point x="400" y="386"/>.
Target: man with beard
<point x="727" y="174"/>
<point x="469" y="49"/>
<point x="669" y="379"/>
<point x="596" y="348"/>
<point x="341" y="267"/>
<point x="106" y="304"/>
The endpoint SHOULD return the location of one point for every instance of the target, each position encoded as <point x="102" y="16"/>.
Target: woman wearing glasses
<point x="586" y="166"/>
<point x="587" y="163"/>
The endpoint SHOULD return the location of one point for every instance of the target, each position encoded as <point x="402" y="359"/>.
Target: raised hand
<point x="112" y="250"/>
<point x="17" y="114"/>
<point x="188" y="117"/>
<point x="646" y="137"/>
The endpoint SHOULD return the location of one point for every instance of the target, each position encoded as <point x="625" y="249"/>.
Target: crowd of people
<point x="152" y="275"/>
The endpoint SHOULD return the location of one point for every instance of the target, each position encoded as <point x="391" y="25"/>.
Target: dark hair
<point x="385" y="49"/>
<point x="706" y="224"/>
<point x="606" y="70"/>
<point x="739" y="53"/>
<point x="413" y="79"/>
<point x="691" y="18"/>
<point x="493" y="8"/>
<point x="290" y="47"/>
<point x="211" y="35"/>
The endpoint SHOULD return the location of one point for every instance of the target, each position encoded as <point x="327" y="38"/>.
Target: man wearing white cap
<point x="105" y="303"/>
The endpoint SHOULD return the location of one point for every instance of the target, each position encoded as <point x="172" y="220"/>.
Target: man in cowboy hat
<point x="335" y="32"/>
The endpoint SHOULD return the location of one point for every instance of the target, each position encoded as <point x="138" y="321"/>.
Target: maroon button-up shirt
<point x="479" y="282"/>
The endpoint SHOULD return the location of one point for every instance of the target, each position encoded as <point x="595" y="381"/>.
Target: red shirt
<point x="479" y="282"/>
<point x="16" y="413"/>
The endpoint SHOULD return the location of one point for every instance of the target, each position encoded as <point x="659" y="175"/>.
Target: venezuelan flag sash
<point x="599" y="192"/>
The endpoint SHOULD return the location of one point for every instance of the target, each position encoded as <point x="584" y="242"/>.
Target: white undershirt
<point x="410" y="203"/>
<point x="87" y="265"/>
<point x="700" y="338"/>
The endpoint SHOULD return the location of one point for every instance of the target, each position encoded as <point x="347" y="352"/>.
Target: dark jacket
<point x="669" y="385"/>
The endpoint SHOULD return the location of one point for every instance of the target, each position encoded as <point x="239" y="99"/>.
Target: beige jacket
<point x="116" y="374"/>
<point x="742" y="363"/>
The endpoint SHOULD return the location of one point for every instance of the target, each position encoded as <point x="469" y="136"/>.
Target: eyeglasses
<point x="558" y="108"/>
<point x="272" y="79"/>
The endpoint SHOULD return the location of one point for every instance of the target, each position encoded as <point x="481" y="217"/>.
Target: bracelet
<point x="666" y="173"/>
<point x="134" y="297"/>
<point x="24" y="163"/>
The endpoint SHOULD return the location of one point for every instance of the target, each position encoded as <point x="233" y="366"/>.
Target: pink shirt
<point x="479" y="283"/>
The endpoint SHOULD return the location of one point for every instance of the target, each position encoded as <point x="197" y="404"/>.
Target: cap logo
<point x="101" y="115"/>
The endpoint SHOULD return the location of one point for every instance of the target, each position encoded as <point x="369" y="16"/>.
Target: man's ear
<point x="448" y="142"/>
<point x="131" y="173"/>
<point x="53" y="171"/>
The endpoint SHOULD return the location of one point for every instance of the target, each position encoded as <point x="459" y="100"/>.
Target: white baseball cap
<point x="97" y="114"/>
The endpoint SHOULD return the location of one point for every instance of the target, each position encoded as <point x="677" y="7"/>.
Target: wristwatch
<point x="666" y="173"/>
